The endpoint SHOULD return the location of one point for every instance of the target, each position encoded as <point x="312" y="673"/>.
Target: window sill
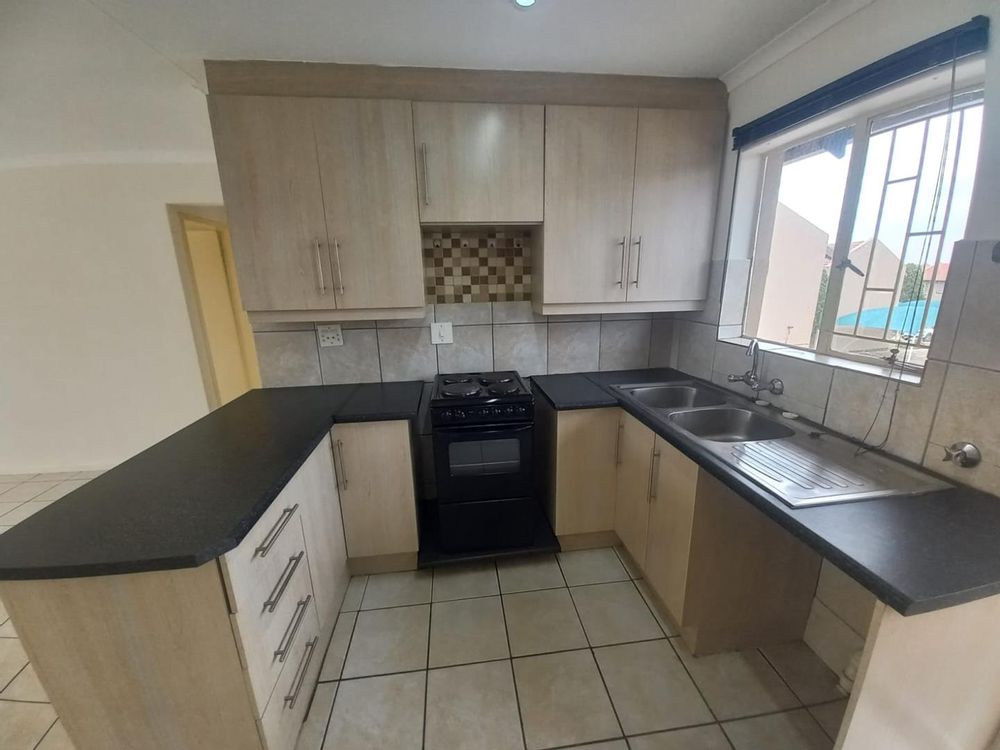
<point x="840" y="363"/>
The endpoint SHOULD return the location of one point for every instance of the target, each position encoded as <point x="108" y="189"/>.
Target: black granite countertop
<point x="196" y="494"/>
<point x="916" y="553"/>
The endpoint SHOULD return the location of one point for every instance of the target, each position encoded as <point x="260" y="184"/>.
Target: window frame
<point x="858" y="117"/>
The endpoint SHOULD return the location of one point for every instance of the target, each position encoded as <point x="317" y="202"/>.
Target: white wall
<point x="97" y="358"/>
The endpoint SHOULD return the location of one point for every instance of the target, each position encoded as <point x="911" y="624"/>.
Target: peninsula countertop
<point x="196" y="494"/>
<point x="917" y="553"/>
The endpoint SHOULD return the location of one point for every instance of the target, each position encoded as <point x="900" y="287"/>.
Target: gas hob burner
<point x="460" y="389"/>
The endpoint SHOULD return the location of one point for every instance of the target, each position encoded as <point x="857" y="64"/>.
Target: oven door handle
<point x="479" y="431"/>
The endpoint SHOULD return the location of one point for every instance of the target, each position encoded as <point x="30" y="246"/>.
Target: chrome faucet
<point x="751" y="378"/>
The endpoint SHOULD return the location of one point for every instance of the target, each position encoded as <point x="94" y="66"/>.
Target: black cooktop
<point x="479" y="387"/>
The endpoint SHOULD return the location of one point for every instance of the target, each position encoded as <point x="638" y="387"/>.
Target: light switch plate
<point x="441" y="333"/>
<point x="331" y="335"/>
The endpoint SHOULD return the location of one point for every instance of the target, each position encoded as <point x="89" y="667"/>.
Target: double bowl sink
<point x="801" y="465"/>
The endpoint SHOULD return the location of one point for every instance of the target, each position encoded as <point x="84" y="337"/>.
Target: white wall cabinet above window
<point x="630" y="199"/>
<point x="479" y="163"/>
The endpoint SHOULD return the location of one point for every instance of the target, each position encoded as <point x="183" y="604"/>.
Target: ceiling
<point x="93" y="76"/>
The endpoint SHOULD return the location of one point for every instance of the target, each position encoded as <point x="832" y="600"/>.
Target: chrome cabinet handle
<point x="300" y="674"/>
<point x="654" y="475"/>
<point x="618" y="444"/>
<point x="319" y="268"/>
<point x="621" y="275"/>
<point x="343" y="464"/>
<point x="340" y="270"/>
<point x="286" y="575"/>
<point x="272" y="536"/>
<point x="293" y="628"/>
<point x="638" y="259"/>
<point x="423" y="161"/>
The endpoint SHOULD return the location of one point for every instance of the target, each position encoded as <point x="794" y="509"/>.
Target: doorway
<point x="222" y="332"/>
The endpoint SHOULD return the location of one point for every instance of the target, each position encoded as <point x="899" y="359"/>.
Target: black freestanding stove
<point x="483" y="432"/>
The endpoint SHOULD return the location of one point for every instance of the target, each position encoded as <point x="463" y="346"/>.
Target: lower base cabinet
<point x="634" y="486"/>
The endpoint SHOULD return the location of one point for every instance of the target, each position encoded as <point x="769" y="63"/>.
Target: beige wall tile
<point x="831" y="638"/>
<point x="661" y="343"/>
<point x="977" y="334"/>
<point x="845" y="597"/>
<point x="807" y="385"/>
<point x="522" y="347"/>
<point x="970" y="410"/>
<point x="624" y="344"/>
<point x="471" y="350"/>
<point x="952" y="300"/>
<point x="355" y="362"/>
<point x="407" y="354"/>
<point x="696" y="348"/>
<point x="288" y="358"/>
<point x="574" y="347"/>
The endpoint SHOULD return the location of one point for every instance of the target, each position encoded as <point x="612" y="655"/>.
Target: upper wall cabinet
<point x="630" y="199"/>
<point x="479" y="163"/>
<point x="321" y="196"/>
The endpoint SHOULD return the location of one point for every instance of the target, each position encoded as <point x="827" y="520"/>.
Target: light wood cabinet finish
<point x="589" y="170"/>
<point x="479" y="162"/>
<point x="678" y="157"/>
<point x="267" y="163"/>
<point x="583" y="482"/>
<point x="635" y="453"/>
<point x="671" y="517"/>
<point x="367" y="169"/>
<point x="375" y="472"/>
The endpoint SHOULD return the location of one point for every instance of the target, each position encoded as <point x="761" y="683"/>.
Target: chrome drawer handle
<point x="272" y="536"/>
<point x="282" y="584"/>
<point x="300" y="675"/>
<point x="343" y="464"/>
<point x="293" y="628"/>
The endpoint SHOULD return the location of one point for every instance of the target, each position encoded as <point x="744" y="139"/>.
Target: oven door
<point x="483" y="462"/>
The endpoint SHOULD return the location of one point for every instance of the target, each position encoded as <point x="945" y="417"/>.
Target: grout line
<point x="427" y="662"/>
<point x="510" y="659"/>
<point x="16" y="675"/>
<point x="46" y="734"/>
<point x="781" y="677"/>
<point x="693" y="681"/>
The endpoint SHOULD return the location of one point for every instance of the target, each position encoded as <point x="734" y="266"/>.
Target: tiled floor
<point x="27" y="721"/>
<point x="552" y="651"/>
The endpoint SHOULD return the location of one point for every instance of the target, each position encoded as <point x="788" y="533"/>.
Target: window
<point x="855" y="229"/>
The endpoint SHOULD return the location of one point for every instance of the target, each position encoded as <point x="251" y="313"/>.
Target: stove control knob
<point x="459" y="414"/>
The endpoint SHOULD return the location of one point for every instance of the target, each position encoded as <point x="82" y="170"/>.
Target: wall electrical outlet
<point x="441" y="333"/>
<point x="331" y="335"/>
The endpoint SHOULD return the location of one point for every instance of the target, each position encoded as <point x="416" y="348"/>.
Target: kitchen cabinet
<point x="321" y="199"/>
<point x="375" y="476"/>
<point x="582" y="469"/>
<point x="633" y="486"/>
<point x="479" y="162"/>
<point x="630" y="198"/>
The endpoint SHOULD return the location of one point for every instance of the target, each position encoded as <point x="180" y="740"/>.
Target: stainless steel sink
<point x="729" y="424"/>
<point x="675" y="396"/>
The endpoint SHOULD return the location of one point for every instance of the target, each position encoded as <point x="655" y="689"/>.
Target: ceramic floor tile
<point x="354" y="594"/>
<point x="709" y="737"/>
<point x="26" y="491"/>
<point x="654" y="607"/>
<point x="57" y="476"/>
<point x="472" y="707"/>
<point x="314" y="727"/>
<point x="25" y="687"/>
<point x="4" y="486"/>
<point x="60" y="490"/>
<point x="7" y="630"/>
<point x="614" y="613"/>
<point x="466" y="631"/>
<point x="3" y="612"/>
<point x="22" y="725"/>
<point x="626" y="559"/>
<point x="792" y="730"/>
<point x="563" y="700"/>
<point x="12" y="660"/>
<point x="808" y="677"/>
<point x="591" y="566"/>
<point x="333" y="663"/>
<point x="465" y="581"/>
<point x="611" y="745"/>
<point x="650" y="688"/>
<point x="56" y="739"/>
<point x="92" y="474"/>
<point x="378" y="712"/>
<point x="18" y="478"/>
<point x="388" y="640"/>
<point x="529" y="573"/>
<point x="830" y="716"/>
<point x="542" y="621"/>
<point x="397" y="589"/>
<point x="738" y="683"/>
<point x="22" y="511"/>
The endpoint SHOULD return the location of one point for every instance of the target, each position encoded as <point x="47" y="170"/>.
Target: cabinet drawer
<point x="286" y="709"/>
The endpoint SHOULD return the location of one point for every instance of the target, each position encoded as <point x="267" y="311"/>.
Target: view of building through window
<point x="879" y="290"/>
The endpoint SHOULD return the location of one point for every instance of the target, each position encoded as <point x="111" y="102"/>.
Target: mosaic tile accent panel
<point x="477" y="265"/>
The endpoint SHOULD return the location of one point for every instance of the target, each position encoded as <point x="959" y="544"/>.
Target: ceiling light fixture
<point x="524" y="3"/>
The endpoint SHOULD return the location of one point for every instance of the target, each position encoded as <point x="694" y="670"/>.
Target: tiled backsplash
<point x="487" y="336"/>
<point x="477" y="264"/>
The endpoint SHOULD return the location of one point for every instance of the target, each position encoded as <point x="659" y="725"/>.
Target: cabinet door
<point x="270" y="183"/>
<point x="671" y="515"/>
<point x="589" y="169"/>
<point x="479" y="162"/>
<point x="324" y="533"/>
<point x="635" y="453"/>
<point x="375" y="470"/>
<point x="585" y="477"/>
<point x="678" y="157"/>
<point x="368" y="172"/>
